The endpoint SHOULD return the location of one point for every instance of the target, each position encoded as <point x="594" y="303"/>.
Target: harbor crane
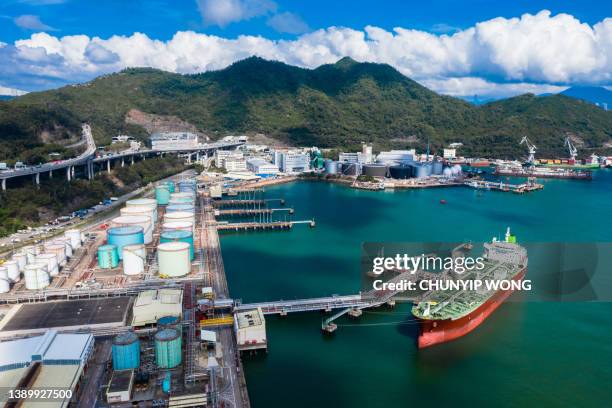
<point x="530" y="147"/>
<point x="572" y="149"/>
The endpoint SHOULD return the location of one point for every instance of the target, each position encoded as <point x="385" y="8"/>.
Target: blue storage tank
<point x="168" y="348"/>
<point x="169" y="322"/>
<point x="122" y="236"/>
<point x="167" y="382"/>
<point x="420" y="171"/>
<point x="180" y="207"/>
<point x="187" y="186"/>
<point x="126" y="352"/>
<point x="107" y="256"/>
<point x="179" y="236"/>
<point x="438" y="168"/>
<point x="162" y="195"/>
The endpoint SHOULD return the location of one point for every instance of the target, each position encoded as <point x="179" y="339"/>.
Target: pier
<point x="505" y="187"/>
<point x="262" y="226"/>
<point x="246" y="203"/>
<point x="246" y="212"/>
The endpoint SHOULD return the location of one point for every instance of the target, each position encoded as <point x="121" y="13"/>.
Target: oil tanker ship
<point x="447" y="315"/>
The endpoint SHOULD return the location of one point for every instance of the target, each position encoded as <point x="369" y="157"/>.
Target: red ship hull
<point x="441" y="331"/>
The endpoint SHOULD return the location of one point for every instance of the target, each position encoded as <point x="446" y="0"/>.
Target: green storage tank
<point x="168" y="348"/>
<point x="108" y="257"/>
<point x="162" y="194"/>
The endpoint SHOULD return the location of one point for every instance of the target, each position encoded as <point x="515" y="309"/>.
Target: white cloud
<point x="224" y="12"/>
<point x="31" y="22"/>
<point x="5" y="91"/>
<point x="288" y="23"/>
<point x="499" y="56"/>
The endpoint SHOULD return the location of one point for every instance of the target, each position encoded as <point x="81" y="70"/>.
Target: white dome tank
<point x="5" y="286"/>
<point x="51" y="261"/>
<point x="456" y="169"/>
<point x="59" y="249"/>
<point x="173" y="259"/>
<point x="180" y="216"/>
<point x="178" y="225"/>
<point x="12" y="268"/>
<point x="21" y="260"/>
<point x="134" y="259"/>
<point x="141" y="220"/>
<point x="447" y="172"/>
<point x="75" y="238"/>
<point x="36" y="276"/>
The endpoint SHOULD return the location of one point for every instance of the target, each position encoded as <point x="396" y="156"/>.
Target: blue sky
<point x="302" y="33"/>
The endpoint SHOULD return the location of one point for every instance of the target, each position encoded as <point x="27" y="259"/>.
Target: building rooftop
<point x="150" y="305"/>
<point x="249" y="318"/>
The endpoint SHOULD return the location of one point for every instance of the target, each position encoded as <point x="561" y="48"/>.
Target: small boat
<point x="442" y="201"/>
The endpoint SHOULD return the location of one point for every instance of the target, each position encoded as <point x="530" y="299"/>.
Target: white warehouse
<point x="262" y="168"/>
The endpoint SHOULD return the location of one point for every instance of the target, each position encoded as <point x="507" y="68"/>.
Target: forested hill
<point x="337" y="105"/>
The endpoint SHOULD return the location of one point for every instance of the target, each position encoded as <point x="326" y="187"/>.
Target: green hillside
<point x="338" y="105"/>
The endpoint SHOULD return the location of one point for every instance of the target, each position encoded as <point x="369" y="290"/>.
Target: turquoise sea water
<point x="525" y="354"/>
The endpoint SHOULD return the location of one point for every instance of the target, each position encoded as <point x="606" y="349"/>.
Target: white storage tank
<point x="173" y="259"/>
<point x="51" y="261"/>
<point x="134" y="259"/>
<point x="178" y="225"/>
<point x="12" y="268"/>
<point x="67" y="244"/>
<point x="3" y="273"/>
<point x="59" y="249"/>
<point x="21" y="260"/>
<point x="140" y="210"/>
<point x="31" y="251"/>
<point x="5" y="286"/>
<point x="145" y="203"/>
<point x="36" y="276"/>
<point x="180" y="216"/>
<point x="141" y="220"/>
<point x="75" y="238"/>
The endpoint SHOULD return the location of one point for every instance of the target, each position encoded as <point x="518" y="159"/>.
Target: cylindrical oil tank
<point x="168" y="350"/>
<point x="374" y="170"/>
<point x="400" y="172"/>
<point x="134" y="259"/>
<point x="456" y="170"/>
<point x="180" y="207"/>
<point x="21" y="259"/>
<point x="178" y="225"/>
<point x="126" y="352"/>
<point x="179" y="236"/>
<point x="36" y="276"/>
<point x="3" y="273"/>
<point x="162" y="195"/>
<point x="141" y="220"/>
<point x="187" y="186"/>
<point x="169" y="322"/>
<point x="5" y="286"/>
<point x="107" y="256"/>
<point x="75" y="237"/>
<point x="331" y="167"/>
<point x="146" y="203"/>
<point x="420" y="171"/>
<point x="139" y="211"/>
<point x="183" y="194"/>
<point x="59" y="249"/>
<point x="179" y="216"/>
<point x="438" y="167"/>
<point x="67" y="244"/>
<point x="447" y="172"/>
<point x="51" y="261"/>
<point x="128" y="235"/>
<point x="173" y="259"/>
<point x="351" y="169"/>
<point x="12" y="268"/>
<point x="170" y="185"/>
<point x="31" y="251"/>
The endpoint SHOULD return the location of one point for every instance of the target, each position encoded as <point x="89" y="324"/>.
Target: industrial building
<point x="152" y="305"/>
<point x="53" y="360"/>
<point x="262" y="168"/>
<point x="173" y="141"/>
<point x="396" y="157"/>
<point x="449" y="153"/>
<point x="221" y="156"/>
<point x="250" y="329"/>
<point x="292" y="161"/>
<point x="235" y="165"/>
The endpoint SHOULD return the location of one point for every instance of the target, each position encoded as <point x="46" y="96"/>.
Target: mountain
<point x="335" y="105"/>
<point x="596" y="94"/>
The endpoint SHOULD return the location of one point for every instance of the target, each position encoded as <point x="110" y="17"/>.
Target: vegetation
<point x="29" y="206"/>
<point x="366" y="179"/>
<point x="333" y="106"/>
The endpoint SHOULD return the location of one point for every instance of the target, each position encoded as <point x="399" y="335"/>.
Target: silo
<point x="179" y="216"/>
<point x="59" y="249"/>
<point x="36" y="276"/>
<point x="331" y="167"/>
<point x="374" y="170"/>
<point x="145" y="203"/>
<point x="173" y="259"/>
<point x="351" y="169"/>
<point x="438" y="167"/>
<point x="51" y="261"/>
<point x="420" y="171"/>
<point x="134" y="259"/>
<point x="162" y="195"/>
<point x="179" y="236"/>
<point x="168" y="353"/>
<point x="107" y="256"/>
<point x="5" y="286"/>
<point x="400" y="172"/>
<point x="428" y="168"/>
<point x="180" y="207"/>
<point x="128" y="235"/>
<point x="139" y="211"/>
<point x="21" y="260"/>
<point x="178" y="225"/>
<point x="75" y="237"/>
<point x="126" y="352"/>
<point x="13" y="270"/>
<point x="141" y="220"/>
